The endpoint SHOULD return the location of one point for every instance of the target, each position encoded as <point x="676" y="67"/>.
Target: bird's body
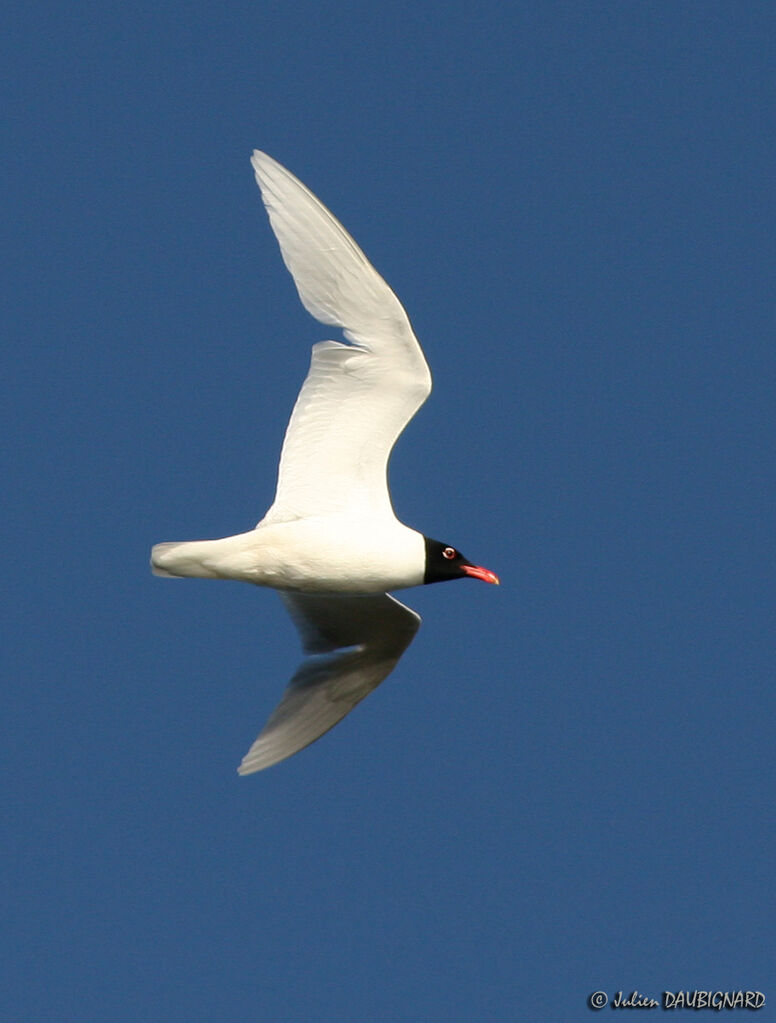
<point x="330" y="543"/>
<point x="317" y="554"/>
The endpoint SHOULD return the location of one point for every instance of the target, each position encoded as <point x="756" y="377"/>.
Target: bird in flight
<point x="330" y="543"/>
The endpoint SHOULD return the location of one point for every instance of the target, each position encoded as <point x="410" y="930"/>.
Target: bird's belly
<point x="314" y="557"/>
<point x="315" y="572"/>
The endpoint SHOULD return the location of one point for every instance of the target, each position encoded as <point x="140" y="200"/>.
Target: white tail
<point x="160" y="556"/>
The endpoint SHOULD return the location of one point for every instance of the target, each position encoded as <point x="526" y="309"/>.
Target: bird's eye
<point x="449" y="553"/>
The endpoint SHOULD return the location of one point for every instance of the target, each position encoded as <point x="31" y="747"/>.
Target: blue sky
<point x="567" y="784"/>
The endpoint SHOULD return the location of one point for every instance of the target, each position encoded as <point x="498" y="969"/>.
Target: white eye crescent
<point x="449" y="553"/>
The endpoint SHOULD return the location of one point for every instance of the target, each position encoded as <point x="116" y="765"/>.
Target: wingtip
<point x="257" y="760"/>
<point x="261" y="161"/>
<point x="256" y="161"/>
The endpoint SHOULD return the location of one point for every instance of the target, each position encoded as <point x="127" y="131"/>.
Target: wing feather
<point x="357" y="398"/>
<point x="352" y="644"/>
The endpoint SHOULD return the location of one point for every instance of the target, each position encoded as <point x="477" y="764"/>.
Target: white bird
<point x="331" y="543"/>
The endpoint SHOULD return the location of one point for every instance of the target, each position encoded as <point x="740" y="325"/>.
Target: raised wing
<point x="357" y="397"/>
<point x="352" y="643"/>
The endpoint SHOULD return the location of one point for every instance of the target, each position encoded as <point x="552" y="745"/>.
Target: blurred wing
<point x="357" y="397"/>
<point x="352" y="644"/>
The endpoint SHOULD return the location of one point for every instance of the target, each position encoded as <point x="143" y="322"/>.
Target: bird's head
<point x="444" y="562"/>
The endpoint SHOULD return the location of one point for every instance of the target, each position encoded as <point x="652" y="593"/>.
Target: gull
<point x="331" y="544"/>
